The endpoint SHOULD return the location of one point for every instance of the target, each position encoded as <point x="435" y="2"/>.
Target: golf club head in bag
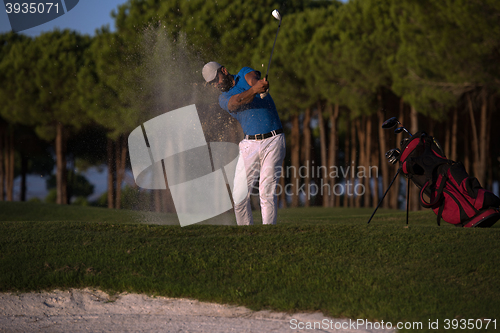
<point x="401" y="129"/>
<point x="390" y="123"/>
<point x="276" y="14"/>
<point x="404" y="142"/>
<point x="393" y="155"/>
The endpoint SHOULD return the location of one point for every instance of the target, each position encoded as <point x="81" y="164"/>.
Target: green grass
<point x="315" y="259"/>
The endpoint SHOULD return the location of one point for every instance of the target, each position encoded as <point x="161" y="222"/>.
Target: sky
<point x="86" y="17"/>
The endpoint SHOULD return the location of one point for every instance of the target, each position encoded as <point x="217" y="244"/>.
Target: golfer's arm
<point x="236" y="101"/>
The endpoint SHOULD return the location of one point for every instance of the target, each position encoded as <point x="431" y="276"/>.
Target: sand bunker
<point x="91" y="310"/>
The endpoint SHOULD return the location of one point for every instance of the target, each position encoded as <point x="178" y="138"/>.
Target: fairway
<point x="315" y="259"/>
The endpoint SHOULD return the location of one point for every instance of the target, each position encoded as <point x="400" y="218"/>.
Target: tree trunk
<point x="454" y="126"/>
<point x="121" y="158"/>
<point x="157" y="196"/>
<point x="347" y="158"/>
<point x="368" y="162"/>
<point x="167" y="201"/>
<point x="323" y="147"/>
<point x="352" y="165"/>
<point x="70" y="178"/>
<point x="383" y="149"/>
<point x="2" y="161"/>
<point x="467" y="149"/>
<point x="9" y="165"/>
<point x="376" y="162"/>
<point x="295" y="159"/>
<point x="490" y="174"/>
<point x="447" y="141"/>
<point x="475" y="139"/>
<point x="24" y="172"/>
<point x="61" y="173"/>
<point x="483" y="139"/>
<point x="306" y="151"/>
<point x="414" y="191"/>
<point x="362" y="145"/>
<point x="332" y="152"/>
<point x="111" y="173"/>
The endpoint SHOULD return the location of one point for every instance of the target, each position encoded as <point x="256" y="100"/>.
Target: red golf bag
<point x="451" y="193"/>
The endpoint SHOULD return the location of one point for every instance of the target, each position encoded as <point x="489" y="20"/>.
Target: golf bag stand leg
<point x="407" y="198"/>
<point x="380" y="202"/>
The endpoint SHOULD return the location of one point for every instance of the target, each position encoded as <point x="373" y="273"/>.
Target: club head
<point x="401" y="129"/>
<point x="390" y="123"/>
<point x="404" y="142"/>
<point x="277" y="15"/>
<point x="393" y="155"/>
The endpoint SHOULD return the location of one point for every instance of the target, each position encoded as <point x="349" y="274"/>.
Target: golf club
<point x="390" y="123"/>
<point x="393" y="155"/>
<point x="276" y="14"/>
<point x="401" y="129"/>
<point x="404" y="142"/>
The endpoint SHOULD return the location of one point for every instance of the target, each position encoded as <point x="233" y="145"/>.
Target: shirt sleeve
<point x="245" y="70"/>
<point x="224" y="101"/>
<point x="224" y="97"/>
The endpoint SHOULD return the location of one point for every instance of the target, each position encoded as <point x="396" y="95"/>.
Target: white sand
<point x="95" y="311"/>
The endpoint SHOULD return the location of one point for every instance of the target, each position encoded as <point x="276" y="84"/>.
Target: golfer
<point x="263" y="148"/>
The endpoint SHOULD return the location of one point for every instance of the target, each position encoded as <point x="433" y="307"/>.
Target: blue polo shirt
<point x="257" y="117"/>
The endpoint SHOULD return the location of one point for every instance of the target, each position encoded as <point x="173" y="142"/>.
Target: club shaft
<point x="407" y="131"/>
<point x="272" y="51"/>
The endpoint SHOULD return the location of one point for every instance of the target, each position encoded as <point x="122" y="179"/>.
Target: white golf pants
<point x="263" y="163"/>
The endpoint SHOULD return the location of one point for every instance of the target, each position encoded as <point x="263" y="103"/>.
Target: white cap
<point x="210" y="70"/>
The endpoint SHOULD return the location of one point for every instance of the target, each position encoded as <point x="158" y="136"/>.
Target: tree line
<point x="338" y="71"/>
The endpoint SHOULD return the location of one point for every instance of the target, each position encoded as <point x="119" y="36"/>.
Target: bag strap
<point x="439" y="192"/>
<point x="440" y="214"/>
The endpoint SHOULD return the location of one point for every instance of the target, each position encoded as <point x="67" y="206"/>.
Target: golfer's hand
<point x="261" y="86"/>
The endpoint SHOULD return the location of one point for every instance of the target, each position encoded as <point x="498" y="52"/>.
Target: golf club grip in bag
<point x="454" y="196"/>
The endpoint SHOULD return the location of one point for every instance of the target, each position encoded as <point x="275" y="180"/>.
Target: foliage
<point x="447" y="48"/>
<point x="290" y="70"/>
<point x="350" y="54"/>
<point x="78" y="185"/>
<point x="37" y="151"/>
<point x="35" y="200"/>
<point x="51" y="196"/>
<point x="133" y="198"/>
<point x="88" y="147"/>
<point x="80" y="201"/>
<point x="16" y="69"/>
<point x="224" y="30"/>
<point x="107" y="85"/>
<point x="57" y="58"/>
